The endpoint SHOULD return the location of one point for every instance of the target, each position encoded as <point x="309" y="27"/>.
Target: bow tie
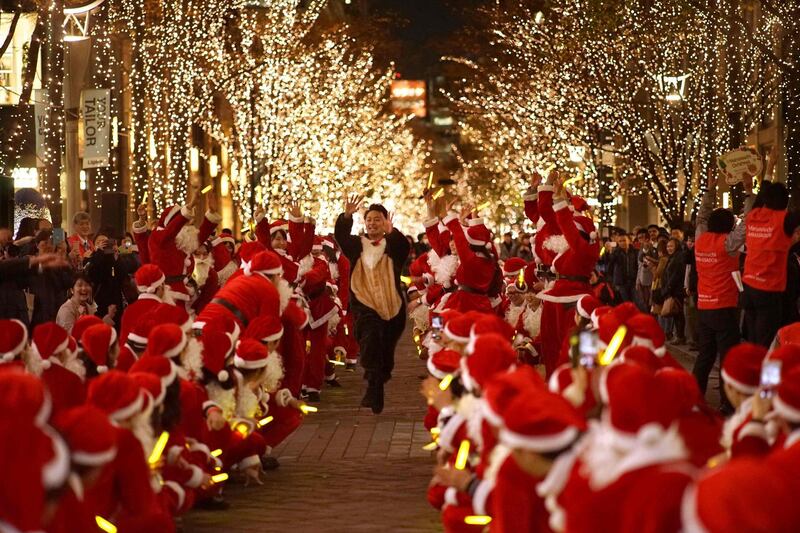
<point x="376" y="243"/>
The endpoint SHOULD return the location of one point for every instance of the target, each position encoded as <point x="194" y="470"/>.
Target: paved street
<point x="345" y="469"/>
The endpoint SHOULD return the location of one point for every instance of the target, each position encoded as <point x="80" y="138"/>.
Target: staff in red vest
<point x="718" y="239"/>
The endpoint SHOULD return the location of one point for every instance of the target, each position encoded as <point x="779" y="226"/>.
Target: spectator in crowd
<point x="791" y="296"/>
<point x="677" y="233"/>
<point x="523" y="248"/>
<point x="658" y="267"/>
<point x="716" y="256"/>
<point x="81" y="241"/>
<point x="47" y="289"/>
<point x="672" y="286"/>
<point x="5" y="241"/>
<point x="80" y="303"/>
<point x="622" y="269"/>
<point x="645" y="259"/>
<point x="652" y="233"/>
<point x="108" y="274"/>
<point x="506" y="247"/>
<point x="422" y="245"/>
<point x="769" y="234"/>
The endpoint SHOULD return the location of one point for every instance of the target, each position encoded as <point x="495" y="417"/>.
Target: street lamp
<point x="76" y="19"/>
<point x="672" y="87"/>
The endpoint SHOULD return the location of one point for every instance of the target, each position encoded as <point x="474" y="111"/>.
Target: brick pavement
<point x="344" y="469"/>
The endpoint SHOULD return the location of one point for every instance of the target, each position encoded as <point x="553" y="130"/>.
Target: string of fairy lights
<point x="654" y="83"/>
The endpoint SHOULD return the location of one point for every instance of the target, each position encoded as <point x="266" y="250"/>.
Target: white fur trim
<point x="152" y="287"/>
<point x="449" y="218"/>
<point x="174" y="453"/>
<point x="451" y="496"/>
<point x="689" y="517"/>
<point x="127" y="411"/>
<point x="738" y="385"/>
<point x="545" y="188"/>
<point x="283" y="397"/>
<point x="176" y="350"/>
<point x="448" y="432"/>
<point x="197" y="477"/>
<point x="475" y="242"/>
<point x="435" y="372"/>
<point x="475" y="222"/>
<point x="786" y="411"/>
<point x="539" y="444"/>
<point x="452" y="336"/>
<point x="371" y="254"/>
<point x="490" y="415"/>
<point x="753" y="429"/>
<point x="55" y="472"/>
<point x="178" y="490"/>
<point x="558" y="206"/>
<point x="324" y="318"/>
<point x="238" y="362"/>
<point x="214" y="218"/>
<point x="530" y="197"/>
<point x="430" y="223"/>
<point x="248" y="462"/>
<point x="9" y="356"/>
<point x="94" y="459"/>
<point x="223" y="375"/>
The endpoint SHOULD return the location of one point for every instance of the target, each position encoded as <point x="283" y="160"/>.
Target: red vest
<point x="716" y="288"/>
<point x="767" y="250"/>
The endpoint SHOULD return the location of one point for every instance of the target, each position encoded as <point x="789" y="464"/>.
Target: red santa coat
<point x="141" y="235"/>
<point x="292" y="347"/>
<point x="314" y="284"/>
<point x="548" y="241"/>
<point x="250" y="296"/>
<point x="474" y="274"/>
<point x="207" y="292"/>
<point x="164" y="250"/>
<point x="513" y="503"/>
<point x="143" y="306"/>
<point x="301" y="240"/>
<point x="66" y="388"/>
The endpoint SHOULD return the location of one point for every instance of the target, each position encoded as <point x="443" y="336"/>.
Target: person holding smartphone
<point x="108" y="274"/>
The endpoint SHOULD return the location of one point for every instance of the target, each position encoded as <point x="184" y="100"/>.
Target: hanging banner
<point x="40" y="104"/>
<point x="95" y="112"/>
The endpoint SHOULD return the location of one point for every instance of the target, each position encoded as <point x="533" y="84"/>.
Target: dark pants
<point x="377" y="339"/>
<point x="763" y="314"/>
<point x="717" y="332"/>
<point x="625" y="293"/>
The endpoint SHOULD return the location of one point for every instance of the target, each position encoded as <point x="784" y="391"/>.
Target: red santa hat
<point x="165" y="313"/>
<point x="248" y="250"/>
<point x="49" y="340"/>
<point x="641" y="355"/>
<point x="681" y="387"/>
<point x="643" y="330"/>
<point x="265" y="263"/>
<point x="787" y="399"/>
<point x="741" y="368"/>
<point x="264" y="328"/>
<point x="117" y="394"/>
<point x="138" y="336"/>
<point x="513" y="266"/>
<point x="491" y="324"/>
<point x="151" y="385"/>
<point x="561" y="382"/>
<point x="457" y="329"/>
<point x="13" y="338"/>
<point x="216" y="347"/>
<point x="159" y="366"/>
<point x="540" y="421"/>
<point x="279" y="225"/>
<point x="167" y="340"/>
<point x="599" y="312"/>
<point x="149" y="278"/>
<point x="97" y="342"/>
<point x="317" y="246"/>
<point x="83" y="323"/>
<point x="91" y="438"/>
<point x="24" y="395"/>
<point x="585" y="225"/>
<point x="501" y="391"/>
<point x="578" y="204"/>
<point x="225" y="236"/>
<point x="250" y="355"/>
<point x="443" y="362"/>
<point x="477" y="233"/>
<point x="492" y="355"/>
<point x="224" y="323"/>
<point x="744" y="495"/>
<point x="789" y="334"/>
<point x="586" y="305"/>
<point x="788" y="355"/>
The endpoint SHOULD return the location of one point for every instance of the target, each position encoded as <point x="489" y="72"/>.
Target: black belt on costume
<point x="544" y="272"/>
<point x="232" y="308"/>
<point x="581" y="279"/>
<point x="175" y="279"/>
<point x="471" y="290"/>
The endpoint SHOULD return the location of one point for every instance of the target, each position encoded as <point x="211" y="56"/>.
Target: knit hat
<point x="265" y="263"/>
<point x="167" y="340"/>
<point x="741" y="368"/>
<point x="250" y="354"/>
<point x="159" y="366"/>
<point x="264" y="328"/>
<point x="149" y="278"/>
<point x="492" y="355"/>
<point x="49" y="339"/>
<point x="443" y="362"/>
<point x="83" y="323"/>
<point x="13" y="338"/>
<point x="540" y="421"/>
<point x="91" y="438"/>
<point x="787" y="399"/>
<point x="97" y="341"/>
<point x="117" y="394"/>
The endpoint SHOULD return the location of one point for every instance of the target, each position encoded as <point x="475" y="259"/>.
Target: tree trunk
<point x="53" y="76"/>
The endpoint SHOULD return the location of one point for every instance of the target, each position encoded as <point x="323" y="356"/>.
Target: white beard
<point x="333" y="323"/>
<point x="225" y="398"/>
<point x="201" y="269"/>
<point x="284" y="292"/>
<point x="532" y="320"/>
<point x="33" y="361"/>
<point x="226" y="272"/>
<point x="246" y="402"/>
<point x="334" y="268"/>
<point x="370" y="255"/>
<point x="444" y="268"/>
<point x="274" y="374"/>
<point x="556" y="243"/>
<point x="186" y="239"/>
<point x="142" y="430"/>
<point x="304" y="266"/>
<point x="191" y="360"/>
<point x="513" y="312"/>
<point x="469" y="408"/>
<point x="420" y="317"/>
<point x="75" y="365"/>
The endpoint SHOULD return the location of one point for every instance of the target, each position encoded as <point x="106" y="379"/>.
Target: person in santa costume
<point x="172" y="243"/>
<point x="291" y="239"/>
<point x="13" y="342"/>
<point x="58" y="367"/>
<point x="204" y="281"/>
<point x="150" y="282"/>
<point x="222" y="250"/>
<point x="377" y="302"/>
<point x="99" y="351"/>
<point x="345" y="347"/>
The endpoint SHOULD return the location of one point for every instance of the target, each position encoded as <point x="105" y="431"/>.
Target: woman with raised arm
<point x="377" y="302"/>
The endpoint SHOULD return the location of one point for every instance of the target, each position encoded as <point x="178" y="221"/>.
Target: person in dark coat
<point x="377" y="299"/>
<point x="50" y="287"/>
<point x="622" y="269"/>
<point x="672" y="286"/>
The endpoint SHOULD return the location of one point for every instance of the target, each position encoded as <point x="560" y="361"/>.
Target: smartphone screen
<point x="58" y="236"/>
<point x="770" y="374"/>
<point x="587" y="346"/>
<point x="437" y="322"/>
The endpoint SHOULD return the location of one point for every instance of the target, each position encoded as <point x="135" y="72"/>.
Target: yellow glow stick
<point x="438" y="194"/>
<point x="417" y="338"/>
<point x="216" y="453"/>
<point x="406" y="280"/>
<point x="430" y="180"/>
<point x="477" y="520"/>
<point x="219" y="478"/>
<point x="613" y="347"/>
<point x="158" y="449"/>
<point x="573" y="180"/>
<point x="264" y="421"/>
<point x="463" y="455"/>
<point x="144" y="198"/>
<point x="217" y="468"/>
<point x="484" y="205"/>
<point x="435" y="431"/>
<point x="308" y="409"/>
<point x="346" y="330"/>
<point x="336" y="362"/>
<point x="105" y="525"/>
<point x="446" y="381"/>
<point x="430" y="446"/>
<point x="206" y="189"/>
<point x="308" y="346"/>
<point x="242" y="429"/>
<point x="521" y="277"/>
